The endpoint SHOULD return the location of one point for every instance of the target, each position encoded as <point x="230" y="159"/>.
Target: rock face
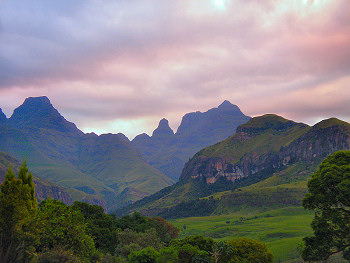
<point x="43" y="188"/>
<point x="260" y="150"/>
<point x="255" y="167"/>
<point x="168" y="152"/>
<point x="92" y="168"/>
<point x="163" y="130"/>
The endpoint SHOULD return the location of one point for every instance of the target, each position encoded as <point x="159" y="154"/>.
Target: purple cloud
<point x="116" y="66"/>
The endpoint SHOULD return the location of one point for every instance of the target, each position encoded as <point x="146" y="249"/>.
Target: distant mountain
<point x="2" y="117"/>
<point x="93" y="168"/>
<point x="266" y="163"/>
<point x="43" y="188"/>
<point x="168" y="152"/>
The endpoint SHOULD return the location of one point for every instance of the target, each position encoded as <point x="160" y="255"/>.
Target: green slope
<point x="91" y="167"/>
<point x="265" y="164"/>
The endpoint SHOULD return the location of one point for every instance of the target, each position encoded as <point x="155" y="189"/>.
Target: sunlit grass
<point x="282" y="229"/>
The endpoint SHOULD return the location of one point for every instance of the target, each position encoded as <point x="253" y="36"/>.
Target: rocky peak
<point x="163" y="129"/>
<point x="38" y="112"/>
<point x="2" y="116"/>
<point x="228" y="106"/>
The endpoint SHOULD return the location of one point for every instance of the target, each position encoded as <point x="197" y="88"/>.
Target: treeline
<point x="55" y="232"/>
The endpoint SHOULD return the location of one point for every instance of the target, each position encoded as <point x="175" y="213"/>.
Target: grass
<point x="282" y="229"/>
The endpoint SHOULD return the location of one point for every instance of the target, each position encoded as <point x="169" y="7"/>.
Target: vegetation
<point x="330" y="198"/>
<point x="56" y="232"/>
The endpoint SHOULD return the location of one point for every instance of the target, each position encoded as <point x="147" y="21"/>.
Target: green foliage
<point x="100" y="226"/>
<point x="165" y="230"/>
<point x="57" y="255"/>
<point x="249" y="250"/>
<point x="64" y="227"/>
<point x="186" y="253"/>
<point x="136" y="222"/>
<point x="146" y="255"/>
<point x="168" y="255"/>
<point x="130" y="240"/>
<point x="17" y="206"/>
<point x="202" y="243"/>
<point x="330" y="198"/>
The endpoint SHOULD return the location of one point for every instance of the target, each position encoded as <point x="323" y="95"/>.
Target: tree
<point x="168" y="255"/>
<point x="249" y="250"/>
<point x="329" y="196"/>
<point x="64" y="227"/>
<point x="101" y="226"/>
<point x="146" y="255"/>
<point x="17" y="210"/>
<point x="165" y="230"/>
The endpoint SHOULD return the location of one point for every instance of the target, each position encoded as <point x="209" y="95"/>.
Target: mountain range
<point x="266" y="163"/>
<point x="105" y="170"/>
<point x="168" y="151"/>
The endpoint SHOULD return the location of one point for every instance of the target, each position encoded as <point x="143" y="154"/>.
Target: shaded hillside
<point x="265" y="164"/>
<point x="93" y="168"/>
<point x="43" y="188"/>
<point x="168" y="152"/>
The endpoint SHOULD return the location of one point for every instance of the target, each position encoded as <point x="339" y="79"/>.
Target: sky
<point x="121" y="66"/>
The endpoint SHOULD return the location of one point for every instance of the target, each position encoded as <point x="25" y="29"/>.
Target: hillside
<point x="168" y="151"/>
<point x="43" y="188"/>
<point x="265" y="164"/>
<point x="93" y="168"/>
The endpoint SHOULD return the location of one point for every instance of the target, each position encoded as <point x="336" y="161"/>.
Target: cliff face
<point x="54" y="191"/>
<point x="261" y="150"/>
<point x="168" y="152"/>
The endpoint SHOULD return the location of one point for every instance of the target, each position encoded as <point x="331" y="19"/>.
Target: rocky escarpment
<point x="323" y="139"/>
<point x="267" y="145"/>
<point x="43" y="191"/>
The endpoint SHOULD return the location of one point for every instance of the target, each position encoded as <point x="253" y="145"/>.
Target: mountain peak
<point x="163" y="129"/>
<point x="329" y="123"/>
<point x="39" y="112"/>
<point x="226" y="105"/>
<point x="2" y="116"/>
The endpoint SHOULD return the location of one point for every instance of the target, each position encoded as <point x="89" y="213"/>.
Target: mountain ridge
<point x="169" y="152"/>
<point x="92" y="168"/>
<point x="269" y="156"/>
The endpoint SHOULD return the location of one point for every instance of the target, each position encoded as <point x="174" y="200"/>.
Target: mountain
<point x="265" y="164"/>
<point x="43" y="188"/>
<point x="168" y="151"/>
<point x="93" y="168"/>
<point x="2" y="117"/>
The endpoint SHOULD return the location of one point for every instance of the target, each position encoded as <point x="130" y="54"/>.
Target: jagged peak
<point x="226" y="105"/>
<point x="163" y="129"/>
<point x="39" y="112"/>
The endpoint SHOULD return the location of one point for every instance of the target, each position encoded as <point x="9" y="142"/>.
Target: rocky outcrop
<point x="53" y="191"/>
<point x="95" y="200"/>
<point x="168" y="152"/>
<point x="163" y="130"/>
<point x="311" y="147"/>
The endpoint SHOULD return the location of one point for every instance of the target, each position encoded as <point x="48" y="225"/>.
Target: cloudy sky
<point x="121" y="66"/>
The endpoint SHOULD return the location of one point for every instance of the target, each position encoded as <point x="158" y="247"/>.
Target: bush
<point x="146" y="255"/>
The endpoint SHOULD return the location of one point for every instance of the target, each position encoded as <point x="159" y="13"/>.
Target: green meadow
<point x="282" y="229"/>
